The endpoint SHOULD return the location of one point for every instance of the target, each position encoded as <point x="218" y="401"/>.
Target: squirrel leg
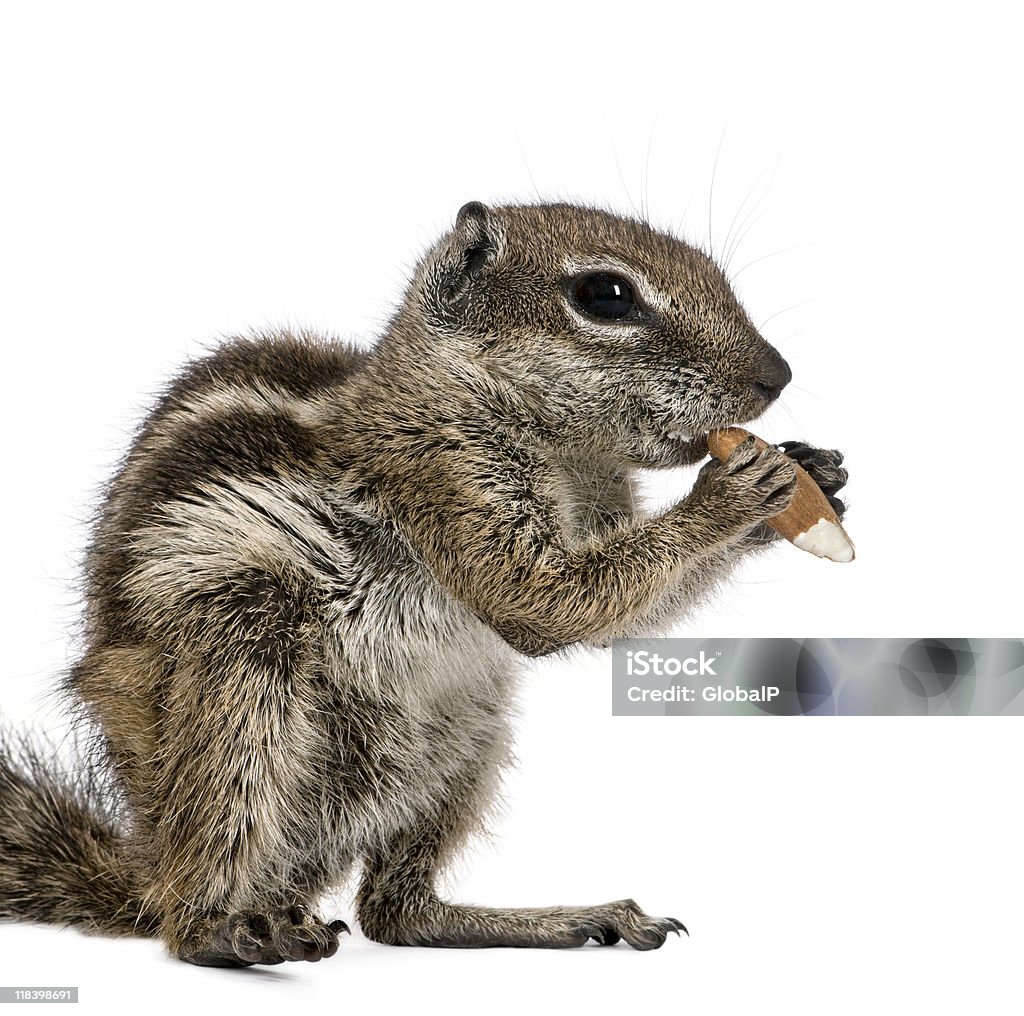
<point x="540" y="592"/>
<point x="235" y="746"/>
<point x="398" y="904"/>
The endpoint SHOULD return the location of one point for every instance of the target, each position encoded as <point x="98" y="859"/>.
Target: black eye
<point x="603" y="295"/>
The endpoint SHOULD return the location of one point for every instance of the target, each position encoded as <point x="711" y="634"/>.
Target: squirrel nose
<point x="773" y="376"/>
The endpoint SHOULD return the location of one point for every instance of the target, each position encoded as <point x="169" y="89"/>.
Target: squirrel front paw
<point x="750" y="486"/>
<point x="825" y="467"/>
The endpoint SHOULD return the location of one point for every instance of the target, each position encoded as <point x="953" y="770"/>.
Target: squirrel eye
<point x="603" y="295"/>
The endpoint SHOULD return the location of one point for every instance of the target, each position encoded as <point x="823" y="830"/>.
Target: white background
<point x="175" y="173"/>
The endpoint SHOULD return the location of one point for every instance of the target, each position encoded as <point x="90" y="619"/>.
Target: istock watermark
<point x="818" y="677"/>
<point x="641" y="663"/>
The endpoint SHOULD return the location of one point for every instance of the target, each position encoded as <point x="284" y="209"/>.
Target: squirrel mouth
<point x="687" y="446"/>
<point x="686" y="437"/>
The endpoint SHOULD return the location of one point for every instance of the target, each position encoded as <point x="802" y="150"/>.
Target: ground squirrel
<point x="317" y="569"/>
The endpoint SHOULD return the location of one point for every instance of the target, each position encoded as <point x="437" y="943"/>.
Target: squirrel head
<point x="618" y="337"/>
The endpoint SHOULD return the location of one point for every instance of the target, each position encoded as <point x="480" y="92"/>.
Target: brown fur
<point x="316" y="570"/>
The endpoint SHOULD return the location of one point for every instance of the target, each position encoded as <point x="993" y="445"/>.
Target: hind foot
<point x="242" y="939"/>
<point x="458" y="926"/>
<point x="621" y="921"/>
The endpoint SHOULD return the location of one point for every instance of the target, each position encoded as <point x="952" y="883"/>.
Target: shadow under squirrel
<point x="315" y="573"/>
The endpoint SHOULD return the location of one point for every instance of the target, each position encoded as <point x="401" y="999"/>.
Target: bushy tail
<point x="61" y="855"/>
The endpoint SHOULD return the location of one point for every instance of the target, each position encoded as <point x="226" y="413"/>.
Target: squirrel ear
<point x="473" y="243"/>
<point x="474" y="214"/>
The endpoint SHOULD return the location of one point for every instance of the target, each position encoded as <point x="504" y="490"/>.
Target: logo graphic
<point x="818" y="677"/>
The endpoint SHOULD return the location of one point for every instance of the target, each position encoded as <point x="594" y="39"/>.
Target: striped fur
<point x="317" y="567"/>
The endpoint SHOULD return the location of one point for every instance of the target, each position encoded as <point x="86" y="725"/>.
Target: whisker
<point x="745" y="228"/>
<point x="645" y="175"/>
<point x="689" y="201"/>
<point x="711" y="191"/>
<point x="789" y="413"/>
<point x="526" y="163"/>
<point x="618" y="167"/>
<point x="772" y="166"/>
<point x="813" y="395"/>
<point x="764" y="257"/>
<point x="785" y="310"/>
